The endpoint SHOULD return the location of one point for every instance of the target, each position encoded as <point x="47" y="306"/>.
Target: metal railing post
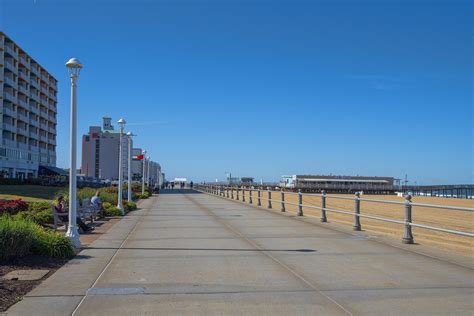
<point x="237" y="194"/>
<point x="250" y="195"/>
<point x="357" y="212"/>
<point x="227" y="192"/>
<point x="243" y="194"/>
<point x="232" y="193"/>
<point x="269" y="197"/>
<point x="259" y="202"/>
<point x="300" y="203"/>
<point x="408" y="236"/>
<point x="323" y="208"/>
<point x="283" y="201"/>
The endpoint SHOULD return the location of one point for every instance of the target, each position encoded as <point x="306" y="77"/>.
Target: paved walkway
<point x="190" y="253"/>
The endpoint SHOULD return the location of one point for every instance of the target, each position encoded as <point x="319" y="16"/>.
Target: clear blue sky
<point x="266" y="88"/>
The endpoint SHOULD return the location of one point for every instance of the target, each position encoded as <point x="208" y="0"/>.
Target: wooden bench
<point x="87" y="210"/>
<point x="84" y="211"/>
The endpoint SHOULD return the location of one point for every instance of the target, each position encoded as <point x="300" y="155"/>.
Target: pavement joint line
<point x="256" y="245"/>
<point x="306" y="219"/>
<point x="108" y="263"/>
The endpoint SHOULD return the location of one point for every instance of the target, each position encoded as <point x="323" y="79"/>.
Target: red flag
<point x="140" y="157"/>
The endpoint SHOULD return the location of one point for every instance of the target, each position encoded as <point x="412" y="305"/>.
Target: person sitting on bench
<point x="96" y="202"/>
<point x="60" y="209"/>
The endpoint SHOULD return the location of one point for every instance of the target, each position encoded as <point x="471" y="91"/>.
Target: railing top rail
<point x="329" y="196"/>
<point x="369" y="216"/>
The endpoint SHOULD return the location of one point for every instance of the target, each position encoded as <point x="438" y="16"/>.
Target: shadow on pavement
<point x="179" y="191"/>
<point x="207" y="249"/>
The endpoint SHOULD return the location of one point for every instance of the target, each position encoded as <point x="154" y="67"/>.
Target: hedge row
<point x="19" y="237"/>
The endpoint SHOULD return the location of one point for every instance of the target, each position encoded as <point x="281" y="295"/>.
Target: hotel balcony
<point x="9" y="127"/>
<point x="52" y="96"/>
<point x="34" y="109"/>
<point x="44" y="90"/>
<point x="44" y="126"/>
<point x="52" y="118"/>
<point x="43" y="138"/>
<point x="33" y="135"/>
<point x="23" y="89"/>
<point x="9" y="81"/>
<point x="44" y="115"/>
<point x="23" y="75"/>
<point x="53" y="107"/>
<point x="51" y="153"/>
<point x="9" y="97"/>
<point x="34" y="96"/>
<point x="11" y="67"/>
<point x="44" y="77"/>
<point x="23" y="146"/>
<point x="9" y="112"/>
<point x="34" y="84"/>
<point x="52" y="141"/>
<point x="53" y="85"/>
<point x="9" y="143"/>
<point x="43" y="150"/>
<point x="34" y="69"/>
<point x="11" y="51"/>
<point x="24" y="61"/>
<point x="22" y="131"/>
<point x="35" y="123"/>
<point x="52" y="130"/>
<point x="23" y="104"/>
<point x="23" y="117"/>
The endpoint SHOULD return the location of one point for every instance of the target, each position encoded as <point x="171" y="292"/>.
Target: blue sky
<point x="266" y="88"/>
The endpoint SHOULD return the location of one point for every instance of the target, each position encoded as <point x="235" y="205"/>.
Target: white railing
<point x="238" y="193"/>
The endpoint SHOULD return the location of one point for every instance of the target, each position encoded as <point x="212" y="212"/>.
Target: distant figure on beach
<point x="172" y="185"/>
<point x="191" y="184"/>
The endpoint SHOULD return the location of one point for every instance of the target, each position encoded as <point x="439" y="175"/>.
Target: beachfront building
<point x="100" y="151"/>
<point x="28" y="108"/>
<point x="100" y="154"/>
<point x="338" y="183"/>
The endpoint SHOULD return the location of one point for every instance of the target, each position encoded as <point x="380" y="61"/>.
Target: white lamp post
<point x="74" y="67"/>
<point x="148" y="172"/>
<point x="143" y="172"/>
<point x="121" y="123"/>
<point x="129" y="176"/>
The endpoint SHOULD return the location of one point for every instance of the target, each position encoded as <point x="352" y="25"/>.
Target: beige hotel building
<point x="28" y="107"/>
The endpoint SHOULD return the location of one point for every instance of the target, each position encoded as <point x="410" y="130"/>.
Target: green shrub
<point x="39" y="206"/>
<point x="42" y="217"/>
<point x="16" y="237"/>
<point x="52" y="244"/>
<point x="145" y="195"/>
<point x="112" y="211"/>
<point x="130" y="206"/>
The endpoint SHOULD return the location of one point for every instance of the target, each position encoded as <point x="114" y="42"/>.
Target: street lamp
<point x="129" y="176"/>
<point x="74" y="67"/>
<point x="143" y="172"/>
<point x="121" y="123"/>
<point x="148" y="173"/>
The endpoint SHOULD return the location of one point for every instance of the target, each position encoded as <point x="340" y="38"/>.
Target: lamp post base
<point x="122" y="210"/>
<point x="73" y="235"/>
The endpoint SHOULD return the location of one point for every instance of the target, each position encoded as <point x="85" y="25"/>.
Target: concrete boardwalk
<point x="191" y="253"/>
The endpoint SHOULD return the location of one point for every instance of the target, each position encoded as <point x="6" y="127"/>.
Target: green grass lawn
<point x="32" y="193"/>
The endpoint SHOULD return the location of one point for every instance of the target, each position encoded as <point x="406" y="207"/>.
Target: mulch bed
<point x="13" y="291"/>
